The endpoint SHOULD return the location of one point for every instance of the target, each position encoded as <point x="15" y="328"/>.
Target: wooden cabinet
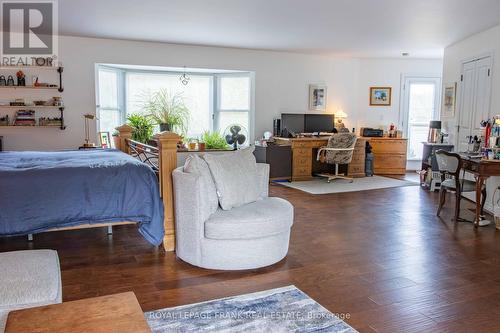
<point x="389" y="156"/>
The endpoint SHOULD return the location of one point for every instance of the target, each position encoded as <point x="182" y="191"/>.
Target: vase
<point x="165" y="127"/>
<point x="201" y="146"/>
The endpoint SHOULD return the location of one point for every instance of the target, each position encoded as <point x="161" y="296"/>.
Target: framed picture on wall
<point x="317" y="97"/>
<point x="104" y="140"/>
<point x="380" y="96"/>
<point x="449" y="100"/>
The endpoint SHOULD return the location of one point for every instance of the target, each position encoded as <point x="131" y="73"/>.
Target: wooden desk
<point x="302" y="156"/>
<point x="120" y="313"/>
<point x="389" y="156"/>
<point x="482" y="170"/>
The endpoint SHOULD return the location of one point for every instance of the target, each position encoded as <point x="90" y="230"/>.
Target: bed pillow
<point x="195" y="164"/>
<point x="235" y="176"/>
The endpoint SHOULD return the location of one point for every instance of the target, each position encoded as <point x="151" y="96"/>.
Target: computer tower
<point x="277" y="127"/>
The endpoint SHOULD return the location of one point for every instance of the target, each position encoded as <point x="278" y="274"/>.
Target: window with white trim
<point x="215" y="100"/>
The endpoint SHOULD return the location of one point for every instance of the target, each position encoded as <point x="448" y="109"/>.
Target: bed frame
<point x="163" y="160"/>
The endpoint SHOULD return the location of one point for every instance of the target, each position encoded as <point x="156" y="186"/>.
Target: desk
<point x="482" y="170"/>
<point x="302" y="156"/>
<point x="120" y="313"/>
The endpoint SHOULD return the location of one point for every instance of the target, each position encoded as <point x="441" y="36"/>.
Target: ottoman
<point x="28" y="279"/>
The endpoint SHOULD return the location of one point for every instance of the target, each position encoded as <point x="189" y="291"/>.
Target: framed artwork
<point x="449" y="100"/>
<point x="104" y="140"/>
<point x="380" y="96"/>
<point x="317" y="97"/>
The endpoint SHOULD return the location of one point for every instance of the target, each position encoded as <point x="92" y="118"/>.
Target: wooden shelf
<point x="16" y="107"/>
<point x="30" y="67"/>
<point x="29" y="87"/>
<point x="36" y="126"/>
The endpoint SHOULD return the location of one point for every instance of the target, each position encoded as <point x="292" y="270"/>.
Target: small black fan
<point x="235" y="135"/>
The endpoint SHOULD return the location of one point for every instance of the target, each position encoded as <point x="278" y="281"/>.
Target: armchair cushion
<point x="235" y="176"/>
<point x="196" y="165"/>
<point x="262" y="218"/>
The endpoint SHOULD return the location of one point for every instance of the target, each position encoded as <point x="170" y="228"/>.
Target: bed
<point x="45" y="191"/>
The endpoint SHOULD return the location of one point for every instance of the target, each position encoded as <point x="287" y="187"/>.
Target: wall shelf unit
<point x="8" y="92"/>
<point x="59" y="70"/>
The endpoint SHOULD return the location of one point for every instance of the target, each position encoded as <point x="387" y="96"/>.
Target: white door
<point x="475" y="93"/>
<point x="421" y="98"/>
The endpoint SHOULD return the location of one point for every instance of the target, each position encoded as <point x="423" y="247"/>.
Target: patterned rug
<point x="284" y="309"/>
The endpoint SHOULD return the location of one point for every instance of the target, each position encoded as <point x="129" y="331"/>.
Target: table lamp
<point x="339" y="115"/>
<point x="87" y="143"/>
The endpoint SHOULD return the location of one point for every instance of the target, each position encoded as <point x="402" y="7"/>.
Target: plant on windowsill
<point x="214" y="140"/>
<point x="168" y="110"/>
<point x="143" y="127"/>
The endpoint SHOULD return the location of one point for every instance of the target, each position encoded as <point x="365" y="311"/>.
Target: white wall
<point x="282" y="81"/>
<point x="485" y="42"/>
<point x="388" y="73"/>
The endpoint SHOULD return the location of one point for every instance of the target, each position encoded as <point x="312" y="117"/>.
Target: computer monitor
<point x="318" y="123"/>
<point x="292" y="123"/>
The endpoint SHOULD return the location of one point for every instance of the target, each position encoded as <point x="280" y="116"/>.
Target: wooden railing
<point x="166" y="163"/>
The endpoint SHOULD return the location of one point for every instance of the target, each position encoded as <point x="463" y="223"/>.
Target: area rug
<point x="321" y="186"/>
<point x="284" y="309"/>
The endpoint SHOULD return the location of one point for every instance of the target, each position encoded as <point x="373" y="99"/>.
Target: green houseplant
<point x="168" y="110"/>
<point x="143" y="127"/>
<point x="214" y="140"/>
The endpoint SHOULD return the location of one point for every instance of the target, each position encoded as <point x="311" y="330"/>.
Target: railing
<point x="145" y="153"/>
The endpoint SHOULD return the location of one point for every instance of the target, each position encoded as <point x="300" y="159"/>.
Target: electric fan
<point x="236" y="135"/>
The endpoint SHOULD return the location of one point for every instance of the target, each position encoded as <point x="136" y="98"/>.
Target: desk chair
<point x="450" y="164"/>
<point x="339" y="150"/>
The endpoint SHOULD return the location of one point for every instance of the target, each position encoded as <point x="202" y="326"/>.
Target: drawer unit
<point x="389" y="156"/>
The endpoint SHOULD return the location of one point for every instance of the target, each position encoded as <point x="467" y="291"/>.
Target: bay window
<point x="215" y="100"/>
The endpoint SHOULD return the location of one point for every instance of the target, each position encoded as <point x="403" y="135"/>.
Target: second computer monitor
<point x="318" y="123"/>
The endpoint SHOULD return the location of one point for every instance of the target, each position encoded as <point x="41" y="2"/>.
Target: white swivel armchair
<point x="245" y="237"/>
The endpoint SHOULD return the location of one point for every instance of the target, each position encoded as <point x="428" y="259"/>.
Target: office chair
<point x="339" y="150"/>
<point x="450" y="164"/>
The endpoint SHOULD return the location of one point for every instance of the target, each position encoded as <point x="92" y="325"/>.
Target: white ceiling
<point x="363" y="28"/>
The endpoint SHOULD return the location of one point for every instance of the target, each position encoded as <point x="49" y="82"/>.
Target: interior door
<point x="475" y="87"/>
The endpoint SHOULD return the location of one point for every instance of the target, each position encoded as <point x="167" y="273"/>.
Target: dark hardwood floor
<point x="382" y="257"/>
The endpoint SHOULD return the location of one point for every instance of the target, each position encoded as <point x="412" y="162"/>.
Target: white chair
<point x="245" y="237"/>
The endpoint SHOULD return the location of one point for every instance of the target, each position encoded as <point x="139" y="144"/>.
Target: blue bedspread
<point x="43" y="190"/>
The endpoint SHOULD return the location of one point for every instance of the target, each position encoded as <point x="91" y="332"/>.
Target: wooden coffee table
<point x="120" y="313"/>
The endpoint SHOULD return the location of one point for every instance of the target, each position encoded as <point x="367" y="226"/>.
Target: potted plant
<point x="214" y="140"/>
<point x="143" y="127"/>
<point x="168" y="110"/>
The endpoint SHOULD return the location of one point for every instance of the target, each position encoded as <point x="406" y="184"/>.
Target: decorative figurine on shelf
<point x="21" y="78"/>
<point x="10" y="81"/>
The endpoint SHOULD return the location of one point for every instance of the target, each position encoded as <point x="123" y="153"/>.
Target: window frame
<point x="217" y="105"/>
<point x="214" y="92"/>
<point x="121" y="105"/>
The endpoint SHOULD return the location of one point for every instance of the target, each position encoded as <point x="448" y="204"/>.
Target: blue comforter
<point x="43" y="190"/>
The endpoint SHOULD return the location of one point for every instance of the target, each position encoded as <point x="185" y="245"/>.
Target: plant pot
<point x="116" y="141"/>
<point x="165" y="128"/>
<point x="201" y="146"/>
